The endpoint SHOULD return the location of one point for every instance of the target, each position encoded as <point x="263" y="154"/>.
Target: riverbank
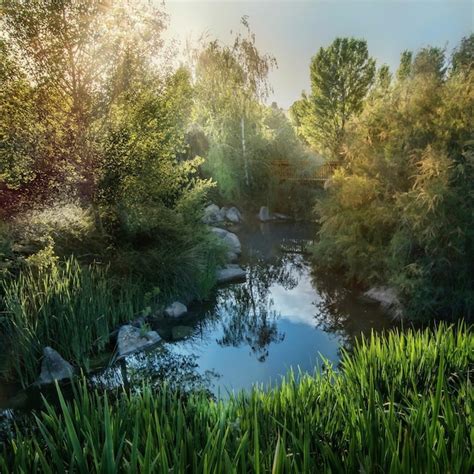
<point x="286" y="314"/>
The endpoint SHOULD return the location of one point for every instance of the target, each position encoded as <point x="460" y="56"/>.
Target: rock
<point x="181" y="332"/>
<point x="328" y="184"/>
<point x="212" y="215"/>
<point x="131" y="339"/>
<point x="233" y="215"/>
<point x="232" y="257"/>
<point x="229" y="238"/>
<point x="176" y="310"/>
<point x="54" y="367"/>
<point x="264" y="214"/>
<point x="223" y="212"/>
<point x="138" y="322"/>
<point x="388" y="299"/>
<point x="281" y="217"/>
<point x="230" y="273"/>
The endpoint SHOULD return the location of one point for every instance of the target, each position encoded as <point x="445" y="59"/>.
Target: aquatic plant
<point x="63" y="305"/>
<point x="401" y="402"/>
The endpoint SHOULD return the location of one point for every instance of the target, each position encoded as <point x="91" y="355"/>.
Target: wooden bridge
<point x="303" y="170"/>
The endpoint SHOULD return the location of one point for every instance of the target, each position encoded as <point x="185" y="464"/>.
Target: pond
<point x="288" y="314"/>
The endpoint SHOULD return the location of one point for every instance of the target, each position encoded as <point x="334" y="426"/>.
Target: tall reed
<point x="402" y="403"/>
<point x="66" y="306"/>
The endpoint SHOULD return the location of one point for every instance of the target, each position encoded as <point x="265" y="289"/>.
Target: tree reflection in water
<point x="162" y="365"/>
<point x="246" y="311"/>
<point x="341" y="310"/>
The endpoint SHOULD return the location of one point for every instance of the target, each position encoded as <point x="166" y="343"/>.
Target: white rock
<point x="281" y="217"/>
<point x="229" y="238"/>
<point x="233" y="215"/>
<point x="264" y="214"/>
<point x="388" y="299"/>
<point x="223" y="212"/>
<point x="175" y="310"/>
<point x="131" y="339"/>
<point x="54" y="367"/>
<point x="232" y="257"/>
<point x="230" y="273"/>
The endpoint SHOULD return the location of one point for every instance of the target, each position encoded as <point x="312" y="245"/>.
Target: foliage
<point x="341" y="75"/>
<point x="230" y="83"/>
<point x="400" y="211"/>
<point x="75" y="58"/>
<point x="95" y="159"/>
<point x="68" y="307"/>
<point x="401" y="403"/>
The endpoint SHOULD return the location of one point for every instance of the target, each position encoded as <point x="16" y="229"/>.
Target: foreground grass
<point x="400" y="403"/>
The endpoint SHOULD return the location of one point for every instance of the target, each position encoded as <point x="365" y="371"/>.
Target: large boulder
<point x="229" y="238"/>
<point x="176" y="310"/>
<point x="230" y="273"/>
<point x="54" y="367"/>
<point x="233" y="215"/>
<point x="223" y="212"/>
<point x="264" y="214"/>
<point x="131" y="339"/>
<point x="212" y="215"/>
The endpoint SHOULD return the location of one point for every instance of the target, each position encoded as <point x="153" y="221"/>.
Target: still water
<point x="288" y="314"/>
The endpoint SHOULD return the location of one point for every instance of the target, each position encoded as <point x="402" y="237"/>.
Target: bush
<point x="399" y="212"/>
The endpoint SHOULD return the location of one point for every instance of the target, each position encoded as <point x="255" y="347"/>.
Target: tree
<point x="341" y="75"/>
<point x="463" y="56"/>
<point x="429" y="60"/>
<point x="400" y="211"/>
<point x="231" y="82"/>
<point x="404" y="69"/>
<point x="79" y="55"/>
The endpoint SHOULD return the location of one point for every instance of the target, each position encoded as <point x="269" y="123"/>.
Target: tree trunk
<point x="244" y="154"/>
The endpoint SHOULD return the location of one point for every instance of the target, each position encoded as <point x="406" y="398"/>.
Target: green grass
<point x="74" y="307"/>
<point x="402" y="403"/>
<point x="66" y="306"/>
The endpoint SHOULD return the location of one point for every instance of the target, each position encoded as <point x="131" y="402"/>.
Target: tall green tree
<point x="463" y="56"/>
<point x="231" y="82"/>
<point x="430" y="60"/>
<point x="341" y="76"/>
<point x="401" y="211"/>
<point x="404" y="69"/>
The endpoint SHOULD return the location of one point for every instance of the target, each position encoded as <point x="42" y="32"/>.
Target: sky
<point x="293" y="31"/>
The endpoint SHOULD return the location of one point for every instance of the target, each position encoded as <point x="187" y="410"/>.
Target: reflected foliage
<point x="156" y="368"/>
<point x="247" y="311"/>
<point x="337" y="307"/>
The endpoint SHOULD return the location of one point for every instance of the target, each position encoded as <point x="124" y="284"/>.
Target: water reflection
<point x="247" y="312"/>
<point x="288" y="314"/>
<point x="155" y="368"/>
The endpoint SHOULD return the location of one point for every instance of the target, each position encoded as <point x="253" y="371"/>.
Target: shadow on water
<point x="287" y="315"/>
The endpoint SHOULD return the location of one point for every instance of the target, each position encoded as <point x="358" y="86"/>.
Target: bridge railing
<point x="285" y="170"/>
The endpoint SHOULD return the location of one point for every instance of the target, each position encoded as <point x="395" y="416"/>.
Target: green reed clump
<point x="401" y="403"/>
<point x="63" y="305"/>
